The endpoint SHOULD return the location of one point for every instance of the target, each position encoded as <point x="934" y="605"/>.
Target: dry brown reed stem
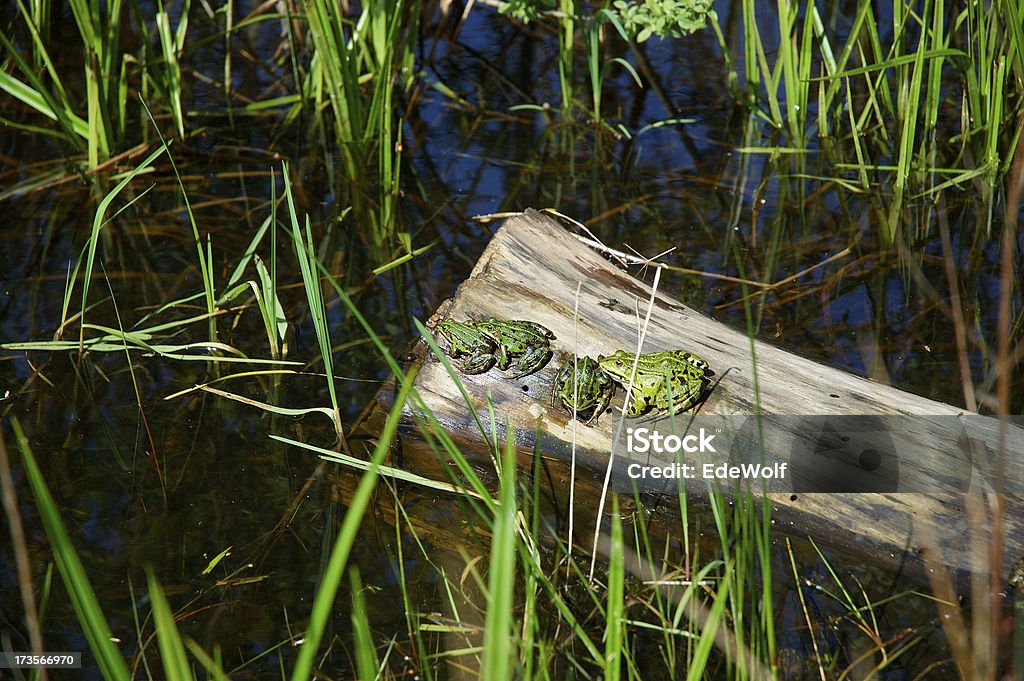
<point x="977" y="654"/>
<point x="1014" y="203"/>
<point x="21" y="556"/>
<point x="956" y="309"/>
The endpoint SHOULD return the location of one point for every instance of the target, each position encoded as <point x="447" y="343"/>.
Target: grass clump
<point x="95" y="121"/>
<point x="915" y="103"/>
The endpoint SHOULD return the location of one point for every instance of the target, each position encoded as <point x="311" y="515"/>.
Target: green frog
<point x="522" y="347"/>
<point x="591" y="390"/>
<point x="671" y="377"/>
<point x="465" y="340"/>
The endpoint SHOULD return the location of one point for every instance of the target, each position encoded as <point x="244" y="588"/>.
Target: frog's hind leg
<point x="478" y="364"/>
<point x="532" y="361"/>
<point x="561" y="377"/>
<point x="693" y="396"/>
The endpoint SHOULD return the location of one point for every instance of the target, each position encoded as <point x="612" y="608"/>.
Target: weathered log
<point x="867" y="465"/>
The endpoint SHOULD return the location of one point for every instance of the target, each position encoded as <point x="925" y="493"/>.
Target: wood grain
<point x="922" y="455"/>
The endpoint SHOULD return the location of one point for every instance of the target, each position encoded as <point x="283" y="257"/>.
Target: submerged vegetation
<point x="846" y="180"/>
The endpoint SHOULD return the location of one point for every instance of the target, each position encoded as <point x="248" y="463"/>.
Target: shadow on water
<point x="145" y="480"/>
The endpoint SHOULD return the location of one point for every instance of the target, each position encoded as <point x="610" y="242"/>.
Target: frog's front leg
<point x="638" y="404"/>
<point x="478" y="363"/>
<point x="501" y="357"/>
<point x="646" y="389"/>
<point x="602" y="402"/>
<point x="531" y="361"/>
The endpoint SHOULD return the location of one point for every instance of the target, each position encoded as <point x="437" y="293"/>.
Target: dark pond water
<point x="143" y="480"/>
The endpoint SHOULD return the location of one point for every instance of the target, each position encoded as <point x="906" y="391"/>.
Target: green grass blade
<point x="37" y="21"/>
<point x="925" y="55"/>
<point x="72" y="572"/>
<point x="212" y="666"/>
<point x="752" y="50"/>
<point x="36" y="95"/>
<point x="367" y="662"/>
<point x="171" y="44"/>
<point x="305" y="253"/>
<point x="97" y="224"/>
<point x="709" y="629"/>
<point x="323" y="604"/>
<point x="250" y="251"/>
<point x="909" y="114"/>
<point x="396" y="473"/>
<point x="204" y="264"/>
<point x="37" y="101"/>
<point x="498" y="662"/>
<point x="271" y="309"/>
<point x="172" y="650"/>
<point x="615" y="625"/>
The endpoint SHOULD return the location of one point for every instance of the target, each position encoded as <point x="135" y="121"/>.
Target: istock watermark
<point x="644" y="440"/>
<point x="708" y="471"/>
<point x="795" y="454"/>
<point x="653" y="442"/>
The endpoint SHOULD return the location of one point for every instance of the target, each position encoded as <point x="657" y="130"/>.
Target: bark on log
<point x="876" y="485"/>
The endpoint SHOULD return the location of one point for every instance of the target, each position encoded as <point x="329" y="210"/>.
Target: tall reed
<point x="98" y="124"/>
<point x="355" y="68"/>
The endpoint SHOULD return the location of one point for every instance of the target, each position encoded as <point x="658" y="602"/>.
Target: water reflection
<point x="147" y="481"/>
